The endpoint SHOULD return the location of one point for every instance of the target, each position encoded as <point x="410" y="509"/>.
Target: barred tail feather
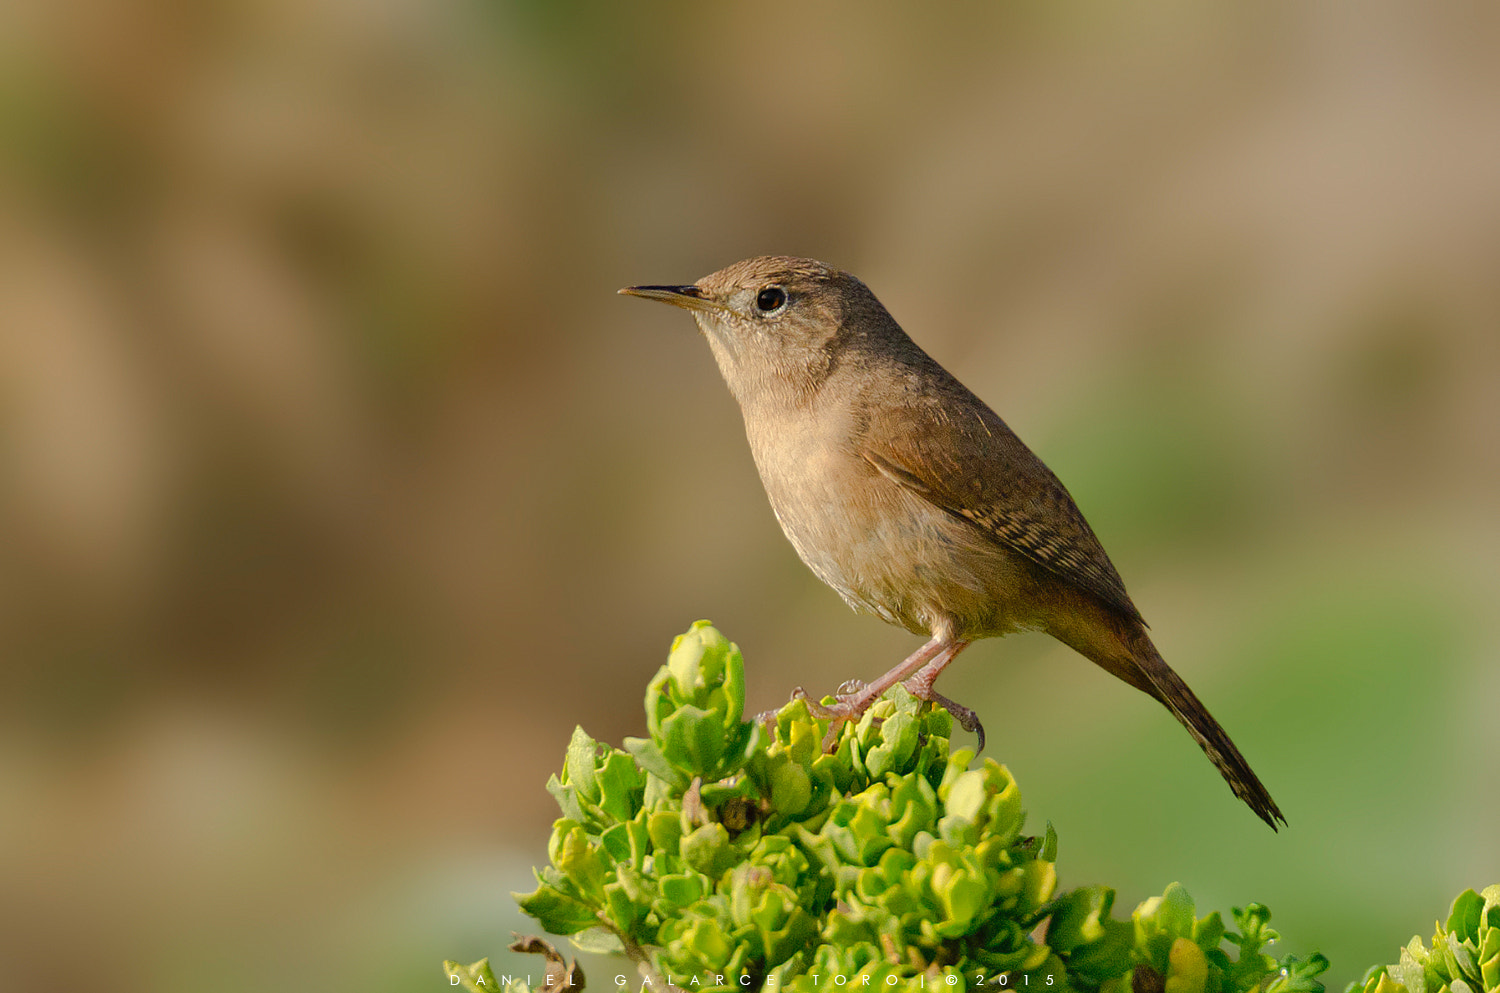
<point x="1169" y="688"/>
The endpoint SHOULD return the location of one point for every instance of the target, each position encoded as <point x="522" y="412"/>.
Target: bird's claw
<point x="967" y="719"/>
<point x="837" y="714"/>
<point x="844" y="709"/>
<point x="819" y="709"/>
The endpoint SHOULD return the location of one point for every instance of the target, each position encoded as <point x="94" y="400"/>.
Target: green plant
<point x="717" y="853"/>
<point x="1464" y="958"/>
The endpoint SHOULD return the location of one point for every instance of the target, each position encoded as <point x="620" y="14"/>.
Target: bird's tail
<point x="1169" y="688"/>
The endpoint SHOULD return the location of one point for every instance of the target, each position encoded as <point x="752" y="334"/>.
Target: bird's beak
<point x="687" y="297"/>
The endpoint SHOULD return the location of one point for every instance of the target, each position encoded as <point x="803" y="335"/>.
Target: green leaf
<point x="1489" y="954"/>
<point x="583" y="864"/>
<point x="620" y="784"/>
<point x="683" y="889"/>
<point x="616" y="841"/>
<point x="1049" y="845"/>
<point x="1209" y="932"/>
<point x="651" y="759"/>
<point x="624" y="912"/>
<point x="898" y="741"/>
<point x="707" y="850"/>
<point x="1081" y="928"/>
<point x="1464" y="918"/>
<point x="665" y="829"/>
<point x="964" y="797"/>
<point x="685" y="662"/>
<point x="1491" y="915"/>
<point x="791" y="789"/>
<point x="692" y="739"/>
<point x="557" y="912"/>
<point x="1408" y="971"/>
<point x="742" y="742"/>
<point x="566" y="796"/>
<point x="913" y="809"/>
<point x="1187" y="968"/>
<point x="801" y="734"/>
<point x="1040" y="883"/>
<point x="578" y="769"/>
<point x="476" y="978"/>
<point x="1255" y="931"/>
<point x="734" y="684"/>
<point x="707" y="671"/>
<point x="1169" y="915"/>
<point x="596" y="941"/>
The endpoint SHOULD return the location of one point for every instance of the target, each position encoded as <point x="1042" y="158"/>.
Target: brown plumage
<point x="904" y="492"/>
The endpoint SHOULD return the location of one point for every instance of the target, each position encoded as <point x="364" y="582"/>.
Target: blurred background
<point x="337" y="486"/>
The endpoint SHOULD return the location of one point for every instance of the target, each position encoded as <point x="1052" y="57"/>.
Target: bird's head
<point x="778" y="325"/>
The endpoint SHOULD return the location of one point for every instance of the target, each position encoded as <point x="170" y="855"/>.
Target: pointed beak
<point x="688" y="297"/>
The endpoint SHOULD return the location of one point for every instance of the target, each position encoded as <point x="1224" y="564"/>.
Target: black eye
<point x="769" y="299"/>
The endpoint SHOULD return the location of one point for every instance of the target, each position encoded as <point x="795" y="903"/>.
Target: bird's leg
<point x="920" y="686"/>
<point x="857" y="698"/>
<point x="854" y="698"/>
<point x="920" y="682"/>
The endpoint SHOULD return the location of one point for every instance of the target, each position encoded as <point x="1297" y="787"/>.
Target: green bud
<point x="707" y="670"/>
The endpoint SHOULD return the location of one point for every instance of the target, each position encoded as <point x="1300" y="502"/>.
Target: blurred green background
<point x="337" y="486"/>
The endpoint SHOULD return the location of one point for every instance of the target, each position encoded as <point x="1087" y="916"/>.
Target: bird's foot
<point x="768" y="717"/>
<point x="816" y="708"/>
<point x="837" y="716"/>
<point x="967" y="719"/>
<point x="836" y="713"/>
<point x="850" y="688"/>
<point x="846" y="707"/>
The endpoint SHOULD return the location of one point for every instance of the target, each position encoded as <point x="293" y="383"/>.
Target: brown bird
<point x="904" y="492"/>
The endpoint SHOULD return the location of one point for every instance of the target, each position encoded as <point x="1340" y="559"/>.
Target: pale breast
<point x="886" y="550"/>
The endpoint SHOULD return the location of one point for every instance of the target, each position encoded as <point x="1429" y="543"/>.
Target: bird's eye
<point x="769" y="299"/>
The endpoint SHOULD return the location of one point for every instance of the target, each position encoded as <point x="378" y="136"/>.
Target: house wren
<point x="910" y="497"/>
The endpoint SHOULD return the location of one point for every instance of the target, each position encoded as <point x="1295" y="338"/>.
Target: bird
<point x="911" y="498"/>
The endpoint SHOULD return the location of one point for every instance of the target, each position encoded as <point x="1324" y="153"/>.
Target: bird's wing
<point x="958" y="454"/>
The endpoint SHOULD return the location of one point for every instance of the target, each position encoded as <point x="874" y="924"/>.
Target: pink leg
<point x="854" y="697"/>
<point x="859" y="700"/>
<point x="920" y="686"/>
<point x="919" y="670"/>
